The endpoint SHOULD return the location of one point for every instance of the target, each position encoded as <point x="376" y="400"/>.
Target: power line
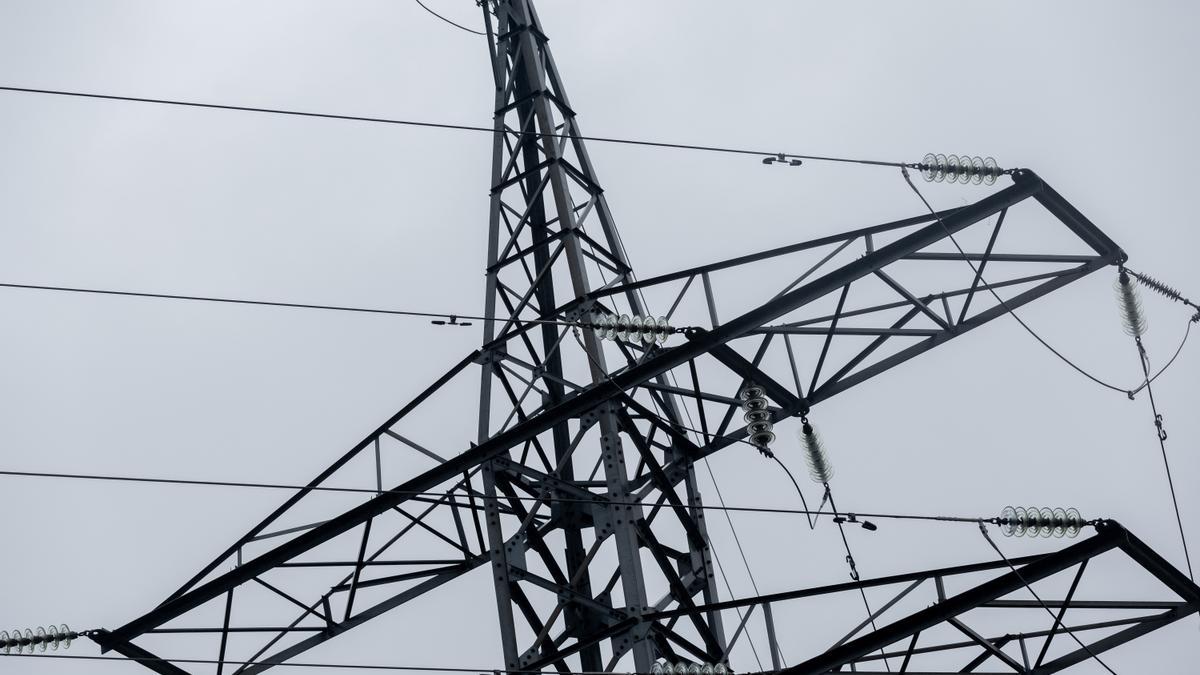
<point x="412" y="493"/>
<point x="456" y="25"/>
<point x="455" y="127"/>
<point x="291" y="664"/>
<point x="1162" y="444"/>
<point x="453" y="317"/>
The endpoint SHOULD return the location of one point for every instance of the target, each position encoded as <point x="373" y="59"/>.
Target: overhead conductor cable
<point x="1135" y="325"/>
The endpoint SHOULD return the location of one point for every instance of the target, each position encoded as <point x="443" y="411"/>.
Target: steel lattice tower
<point x="577" y="489"/>
<point x="545" y="198"/>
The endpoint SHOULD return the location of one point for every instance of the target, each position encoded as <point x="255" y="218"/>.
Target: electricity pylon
<point x="578" y="492"/>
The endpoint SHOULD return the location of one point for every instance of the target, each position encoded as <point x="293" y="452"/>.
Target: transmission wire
<point x="265" y="303"/>
<point x="854" y="570"/>
<point x="455" y="127"/>
<point x="291" y="664"/>
<point x="1162" y="444"/>
<point x="418" y="493"/>
<point x="456" y="25"/>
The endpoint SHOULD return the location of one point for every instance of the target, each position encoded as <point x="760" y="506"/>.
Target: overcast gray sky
<point x="1098" y="97"/>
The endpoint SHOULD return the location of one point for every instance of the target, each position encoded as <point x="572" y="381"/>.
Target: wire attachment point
<point x="452" y="322"/>
<point x="782" y="160"/>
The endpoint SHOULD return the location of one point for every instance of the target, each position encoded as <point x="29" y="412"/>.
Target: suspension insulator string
<point x="757" y="415"/>
<point x="820" y="469"/>
<point x="1130" y="302"/>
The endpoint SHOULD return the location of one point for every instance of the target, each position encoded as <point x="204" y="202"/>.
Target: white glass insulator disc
<point x="952" y="168"/>
<point x="1009" y="516"/>
<point x="976" y="170"/>
<point x="623" y="326"/>
<point x="1074" y="522"/>
<point x="649" y="331"/>
<point x="1022" y="521"/>
<point x="930" y="164"/>
<point x="964" y="169"/>
<point x="991" y="170"/>
<point x="1060" y="522"/>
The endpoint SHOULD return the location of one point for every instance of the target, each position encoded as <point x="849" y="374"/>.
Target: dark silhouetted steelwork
<point x="575" y="434"/>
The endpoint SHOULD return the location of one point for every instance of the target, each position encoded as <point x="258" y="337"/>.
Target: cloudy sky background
<point x="1099" y="98"/>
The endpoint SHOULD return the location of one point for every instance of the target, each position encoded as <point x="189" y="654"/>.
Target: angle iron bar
<point x="1077" y="629"/>
<point x="919" y="304"/>
<point x="879" y="612"/>
<point x="782" y="250"/>
<point x="1002" y="257"/>
<point x="1116" y="639"/>
<point x="679" y="590"/>
<point x="829" y="389"/>
<point x="987" y="645"/>
<point x="987" y="254"/>
<point x="812" y="386"/>
<point x="1107" y="537"/>
<point x="861" y="332"/>
<point x="852" y="586"/>
<point x="1087" y="604"/>
<point x="819" y="264"/>
<point x="751" y="373"/>
<point x="1070" y="216"/>
<point x="987" y="654"/>
<point x="944" y="294"/>
<point x="1058" y="618"/>
<point x="364" y="616"/>
<point x="333" y="468"/>
<point x="873" y="346"/>
<point x="758" y="357"/>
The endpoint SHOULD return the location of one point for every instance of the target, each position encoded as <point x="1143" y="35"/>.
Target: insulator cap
<point x="961" y="169"/>
<point x="1020" y="521"/>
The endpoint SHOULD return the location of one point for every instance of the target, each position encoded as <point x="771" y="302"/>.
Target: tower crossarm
<point x="634" y="392"/>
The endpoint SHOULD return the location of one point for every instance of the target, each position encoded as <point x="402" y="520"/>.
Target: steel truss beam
<point x="904" y="634"/>
<point x="574" y="461"/>
<point x="632" y="395"/>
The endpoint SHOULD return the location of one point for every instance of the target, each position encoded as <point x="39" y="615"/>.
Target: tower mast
<point x="548" y="218"/>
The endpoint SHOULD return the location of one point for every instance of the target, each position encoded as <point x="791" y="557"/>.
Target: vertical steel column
<point x="527" y="84"/>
